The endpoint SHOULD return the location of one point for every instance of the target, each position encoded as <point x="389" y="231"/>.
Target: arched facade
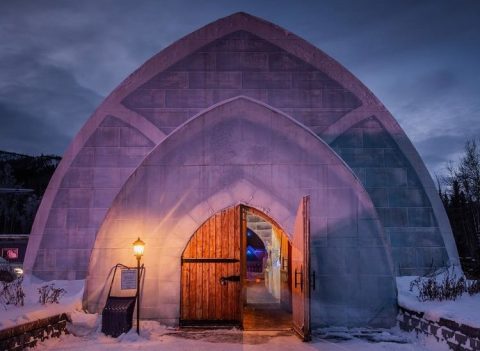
<point x="210" y="164"/>
<point x="243" y="111"/>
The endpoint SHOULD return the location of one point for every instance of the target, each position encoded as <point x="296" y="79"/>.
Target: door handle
<point x="230" y="278"/>
<point x="300" y="280"/>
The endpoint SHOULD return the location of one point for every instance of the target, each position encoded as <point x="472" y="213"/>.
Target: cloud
<point x="22" y="132"/>
<point x="42" y="106"/>
<point x="437" y="151"/>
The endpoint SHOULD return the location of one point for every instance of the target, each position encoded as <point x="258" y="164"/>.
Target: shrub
<point x="7" y="276"/>
<point x="444" y="285"/>
<point x="50" y="294"/>
<point x="11" y="293"/>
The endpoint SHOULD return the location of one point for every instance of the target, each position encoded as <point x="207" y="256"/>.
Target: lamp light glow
<point x="138" y="248"/>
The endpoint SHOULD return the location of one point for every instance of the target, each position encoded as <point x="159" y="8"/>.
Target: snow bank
<point x="33" y="310"/>
<point x="84" y="324"/>
<point x="463" y="310"/>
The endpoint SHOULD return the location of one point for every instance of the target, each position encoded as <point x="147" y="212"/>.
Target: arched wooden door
<point x="212" y="271"/>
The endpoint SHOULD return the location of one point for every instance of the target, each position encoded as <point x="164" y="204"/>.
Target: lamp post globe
<point x="138" y="248"/>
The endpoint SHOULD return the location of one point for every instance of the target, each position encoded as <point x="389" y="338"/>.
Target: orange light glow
<point x="138" y="247"/>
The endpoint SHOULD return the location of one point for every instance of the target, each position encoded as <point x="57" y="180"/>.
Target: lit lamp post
<point x="138" y="248"/>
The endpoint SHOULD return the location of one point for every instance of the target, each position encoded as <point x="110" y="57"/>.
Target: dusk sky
<point x="59" y="59"/>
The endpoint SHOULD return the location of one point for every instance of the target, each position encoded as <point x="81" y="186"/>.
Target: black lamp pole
<point x="138" y="294"/>
<point x="138" y="247"/>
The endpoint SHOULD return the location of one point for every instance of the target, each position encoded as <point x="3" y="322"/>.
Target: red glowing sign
<point x="10" y="253"/>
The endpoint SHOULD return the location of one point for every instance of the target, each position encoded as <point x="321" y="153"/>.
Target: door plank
<point x="205" y="250"/>
<point x="184" y="300"/>
<point x="230" y="286"/>
<point x="301" y="271"/>
<point x="218" y="271"/>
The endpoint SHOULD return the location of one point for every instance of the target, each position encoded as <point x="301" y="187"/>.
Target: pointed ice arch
<point x="244" y="152"/>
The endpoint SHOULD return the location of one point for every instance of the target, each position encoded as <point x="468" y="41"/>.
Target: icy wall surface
<point x="244" y="152"/>
<point x="395" y="189"/>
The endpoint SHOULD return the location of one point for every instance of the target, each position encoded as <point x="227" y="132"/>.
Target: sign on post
<point x="128" y="279"/>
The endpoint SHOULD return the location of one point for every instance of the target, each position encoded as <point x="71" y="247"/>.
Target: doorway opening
<point x="268" y="304"/>
<point x="236" y="270"/>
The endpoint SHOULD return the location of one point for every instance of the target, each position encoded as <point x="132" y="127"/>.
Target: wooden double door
<point x="214" y="271"/>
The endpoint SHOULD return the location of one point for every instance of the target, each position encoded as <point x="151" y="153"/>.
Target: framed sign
<point x="10" y="253"/>
<point x="128" y="279"/>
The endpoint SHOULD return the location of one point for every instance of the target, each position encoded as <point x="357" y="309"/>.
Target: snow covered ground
<point x="156" y="337"/>
<point x="86" y="333"/>
<point x="33" y="310"/>
<point x="464" y="310"/>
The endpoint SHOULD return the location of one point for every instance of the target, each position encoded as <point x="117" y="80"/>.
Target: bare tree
<point x="462" y="202"/>
<point x="467" y="173"/>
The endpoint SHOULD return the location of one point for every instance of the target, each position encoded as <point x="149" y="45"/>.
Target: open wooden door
<point x="285" y="276"/>
<point x="301" y="271"/>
